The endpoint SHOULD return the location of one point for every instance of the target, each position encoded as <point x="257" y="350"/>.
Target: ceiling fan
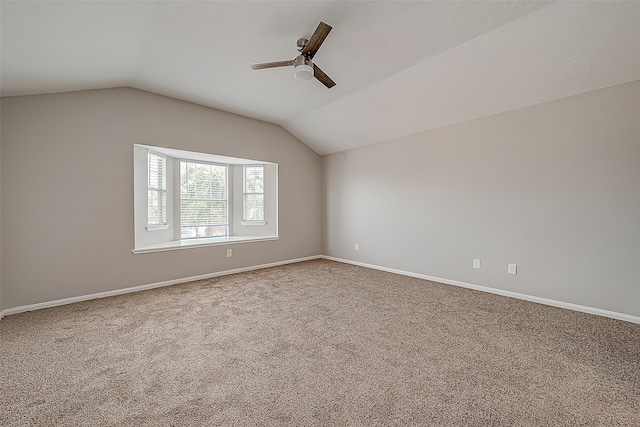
<point x="304" y="68"/>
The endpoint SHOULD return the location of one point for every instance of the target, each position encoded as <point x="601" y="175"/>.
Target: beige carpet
<point x="317" y="343"/>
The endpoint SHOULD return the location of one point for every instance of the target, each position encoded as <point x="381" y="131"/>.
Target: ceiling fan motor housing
<point x="303" y="68"/>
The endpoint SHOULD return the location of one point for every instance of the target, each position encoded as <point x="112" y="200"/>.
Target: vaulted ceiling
<point x="400" y="67"/>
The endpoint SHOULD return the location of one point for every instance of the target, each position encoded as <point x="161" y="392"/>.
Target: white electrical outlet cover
<point x="476" y="263"/>
<point x="512" y="269"/>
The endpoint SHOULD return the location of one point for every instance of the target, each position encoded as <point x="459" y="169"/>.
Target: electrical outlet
<point x="229" y="253"/>
<point x="476" y="263"/>
<point x="512" y="269"/>
<point x="356" y="247"/>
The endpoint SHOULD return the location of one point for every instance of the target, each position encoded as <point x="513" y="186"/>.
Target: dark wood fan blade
<point x="272" y="64"/>
<point x="316" y="40"/>
<point x="324" y="79"/>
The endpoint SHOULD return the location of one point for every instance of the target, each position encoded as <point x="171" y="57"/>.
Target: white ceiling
<point x="400" y="67"/>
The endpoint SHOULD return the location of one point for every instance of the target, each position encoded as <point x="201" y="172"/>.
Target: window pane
<point x="254" y="207"/>
<point x="203" y="200"/>
<point x="157" y="189"/>
<point x="157" y="172"/>
<point x="253" y="193"/>
<point x="254" y="179"/>
<point x="203" y="231"/>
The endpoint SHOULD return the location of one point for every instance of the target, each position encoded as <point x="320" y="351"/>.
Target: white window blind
<point x="156" y="190"/>
<point x="203" y="200"/>
<point x="253" y="193"/>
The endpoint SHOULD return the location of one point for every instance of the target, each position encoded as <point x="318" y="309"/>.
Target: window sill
<point x="253" y="222"/>
<point x="201" y="242"/>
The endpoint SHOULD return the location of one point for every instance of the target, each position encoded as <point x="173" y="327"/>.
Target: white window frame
<point x="160" y="190"/>
<point x="246" y="193"/>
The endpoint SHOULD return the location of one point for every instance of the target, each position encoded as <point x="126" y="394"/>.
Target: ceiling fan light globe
<point x="303" y="72"/>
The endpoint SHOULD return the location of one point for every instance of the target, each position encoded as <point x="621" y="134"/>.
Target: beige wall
<point x="67" y="191"/>
<point x="1" y="211"/>
<point x="553" y="188"/>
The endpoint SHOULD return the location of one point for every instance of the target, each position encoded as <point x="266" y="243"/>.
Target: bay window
<point x="185" y="199"/>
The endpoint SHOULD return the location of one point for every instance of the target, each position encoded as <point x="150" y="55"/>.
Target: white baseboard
<point x="546" y="301"/>
<point x="48" y="304"/>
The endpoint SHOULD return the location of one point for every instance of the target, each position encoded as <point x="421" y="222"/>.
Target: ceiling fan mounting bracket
<point x="301" y="43"/>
